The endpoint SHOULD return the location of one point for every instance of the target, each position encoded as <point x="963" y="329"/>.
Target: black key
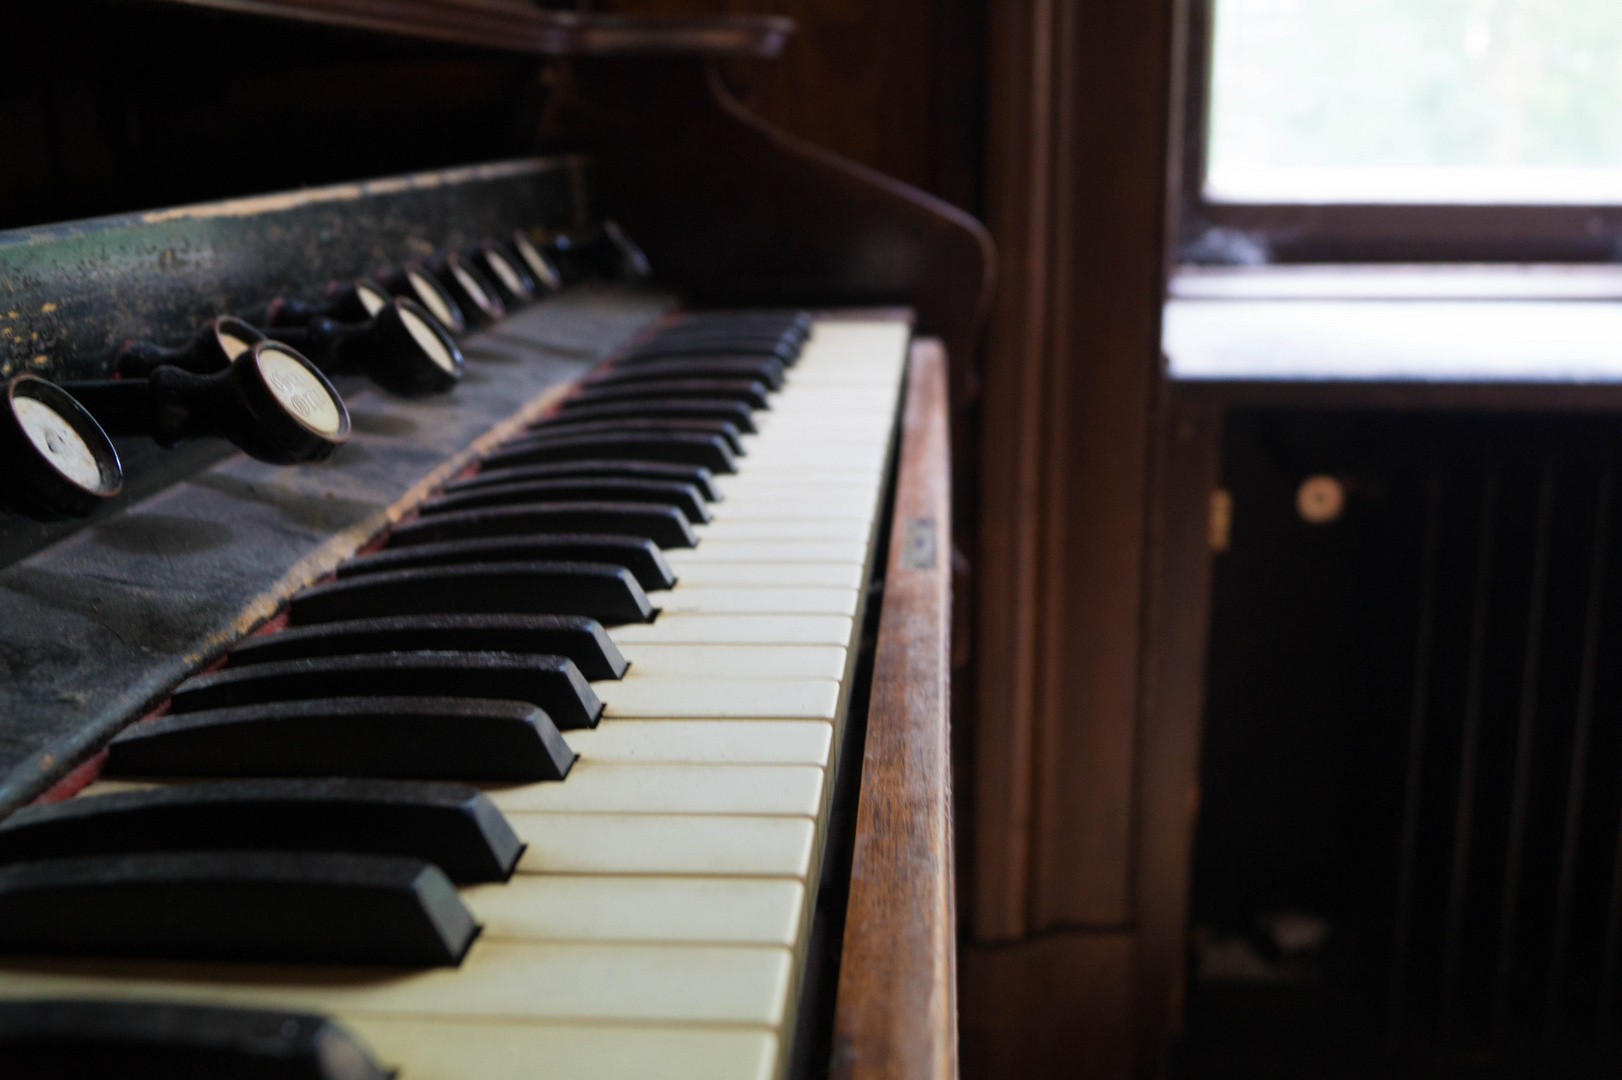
<point x="455" y="827"/>
<point x="748" y="391"/>
<point x="567" y="425"/>
<point x="291" y="907"/>
<point x="410" y="546"/>
<point x="662" y="492"/>
<point x="598" y="591"/>
<point x="710" y="451"/>
<point x="580" y="639"/>
<point x="735" y="413"/>
<point x="549" y="682"/>
<point x="746" y="330"/>
<point x="783" y="348"/>
<point x="665" y="526"/>
<point x="422" y="738"/>
<point x="768" y="370"/>
<point x="59" y="1040"/>
<point x="696" y="475"/>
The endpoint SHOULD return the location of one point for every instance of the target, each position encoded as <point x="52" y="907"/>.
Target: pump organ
<point x="487" y="622"/>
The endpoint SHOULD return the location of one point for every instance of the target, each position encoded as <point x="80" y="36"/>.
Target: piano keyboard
<point x="658" y="918"/>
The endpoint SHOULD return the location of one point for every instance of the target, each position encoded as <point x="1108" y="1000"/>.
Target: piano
<point x="488" y="622"/>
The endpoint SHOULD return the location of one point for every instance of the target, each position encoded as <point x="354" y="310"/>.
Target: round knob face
<point x="57" y="461"/>
<point x="235" y="336"/>
<point x="430" y="297"/>
<point x="504" y="270"/>
<point x="57" y="442"/>
<point x="303" y="394"/>
<point x="428" y="340"/>
<point x="372" y="298"/>
<point x="539" y="265"/>
<point x="472" y="288"/>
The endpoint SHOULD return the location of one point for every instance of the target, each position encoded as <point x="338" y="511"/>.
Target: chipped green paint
<point x="70" y="292"/>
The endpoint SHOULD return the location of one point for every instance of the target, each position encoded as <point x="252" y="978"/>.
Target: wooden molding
<point x="896" y="1013"/>
<point x="519" y="26"/>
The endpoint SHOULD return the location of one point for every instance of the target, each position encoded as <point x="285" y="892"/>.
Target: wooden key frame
<point x="896" y="1011"/>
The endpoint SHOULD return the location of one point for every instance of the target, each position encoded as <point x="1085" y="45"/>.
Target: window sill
<point x="1530" y="337"/>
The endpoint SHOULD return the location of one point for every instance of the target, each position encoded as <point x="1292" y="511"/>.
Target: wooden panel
<point x="1178" y="603"/>
<point x="1056" y="1006"/>
<point x="896" y="1013"/>
<point x="897" y="86"/>
<point x="1076" y="198"/>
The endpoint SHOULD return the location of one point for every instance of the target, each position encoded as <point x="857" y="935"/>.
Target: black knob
<point x="545" y="273"/>
<point x="474" y="293"/>
<point x="346" y="301"/>
<point x="415" y="281"/>
<point x="605" y="251"/>
<point x="402" y="348"/>
<point x="55" y="460"/>
<point x="271" y="402"/>
<point x="216" y="343"/>
<point x="506" y="271"/>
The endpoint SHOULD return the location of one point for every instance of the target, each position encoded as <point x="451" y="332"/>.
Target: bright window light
<point x="1416" y="101"/>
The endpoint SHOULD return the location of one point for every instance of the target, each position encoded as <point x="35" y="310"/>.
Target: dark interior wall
<point x="109" y="107"/>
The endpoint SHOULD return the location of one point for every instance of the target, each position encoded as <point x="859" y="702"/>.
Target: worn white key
<point x="683" y="629"/>
<point x="760" y="600"/>
<point x="736" y="661"/>
<point x="785" y="507"/>
<point x="783" y="574"/>
<point x="718" y="911"/>
<point x="714" y="550"/>
<point x="596" y="787"/>
<point x="503" y="1049"/>
<point x="564" y="843"/>
<point x="792" y="487"/>
<point x="719" y="699"/>
<point x="758" y="742"/>
<point x="740" y="984"/>
<point x="810" y="481"/>
<point x="839" y="529"/>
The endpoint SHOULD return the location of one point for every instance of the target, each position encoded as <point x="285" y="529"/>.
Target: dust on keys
<point x="658" y="915"/>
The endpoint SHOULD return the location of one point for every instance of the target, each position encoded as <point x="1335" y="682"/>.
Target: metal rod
<point x="1418" y="722"/>
<point x="1526" y="728"/>
<point x="1464" y="810"/>
<point x="1581" y="734"/>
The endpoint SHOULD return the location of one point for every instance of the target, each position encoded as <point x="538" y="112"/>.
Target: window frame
<point x="1212" y="233"/>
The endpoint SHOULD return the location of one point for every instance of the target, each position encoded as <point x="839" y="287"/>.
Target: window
<point x="1405" y="129"/>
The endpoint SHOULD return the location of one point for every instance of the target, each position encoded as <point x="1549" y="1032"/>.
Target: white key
<point x="760" y="742"/>
<point x="839" y="529"/>
<point x="736" y="661"/>
<point x="788" y="508"/>
<point x="519" y="979"/>
<point x="736" y="574"/>
<point x="718" y="699"/>
<point x="715" y="911"/>
<point x="683" y="629"/>
<point x="596" y="787"/>
<point x="501" y="1049"/>
<point x="664" y="844"/>
<point x="759" y="600"/>
<point x="851" y="552"/>
<point x="809" y="481"/>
